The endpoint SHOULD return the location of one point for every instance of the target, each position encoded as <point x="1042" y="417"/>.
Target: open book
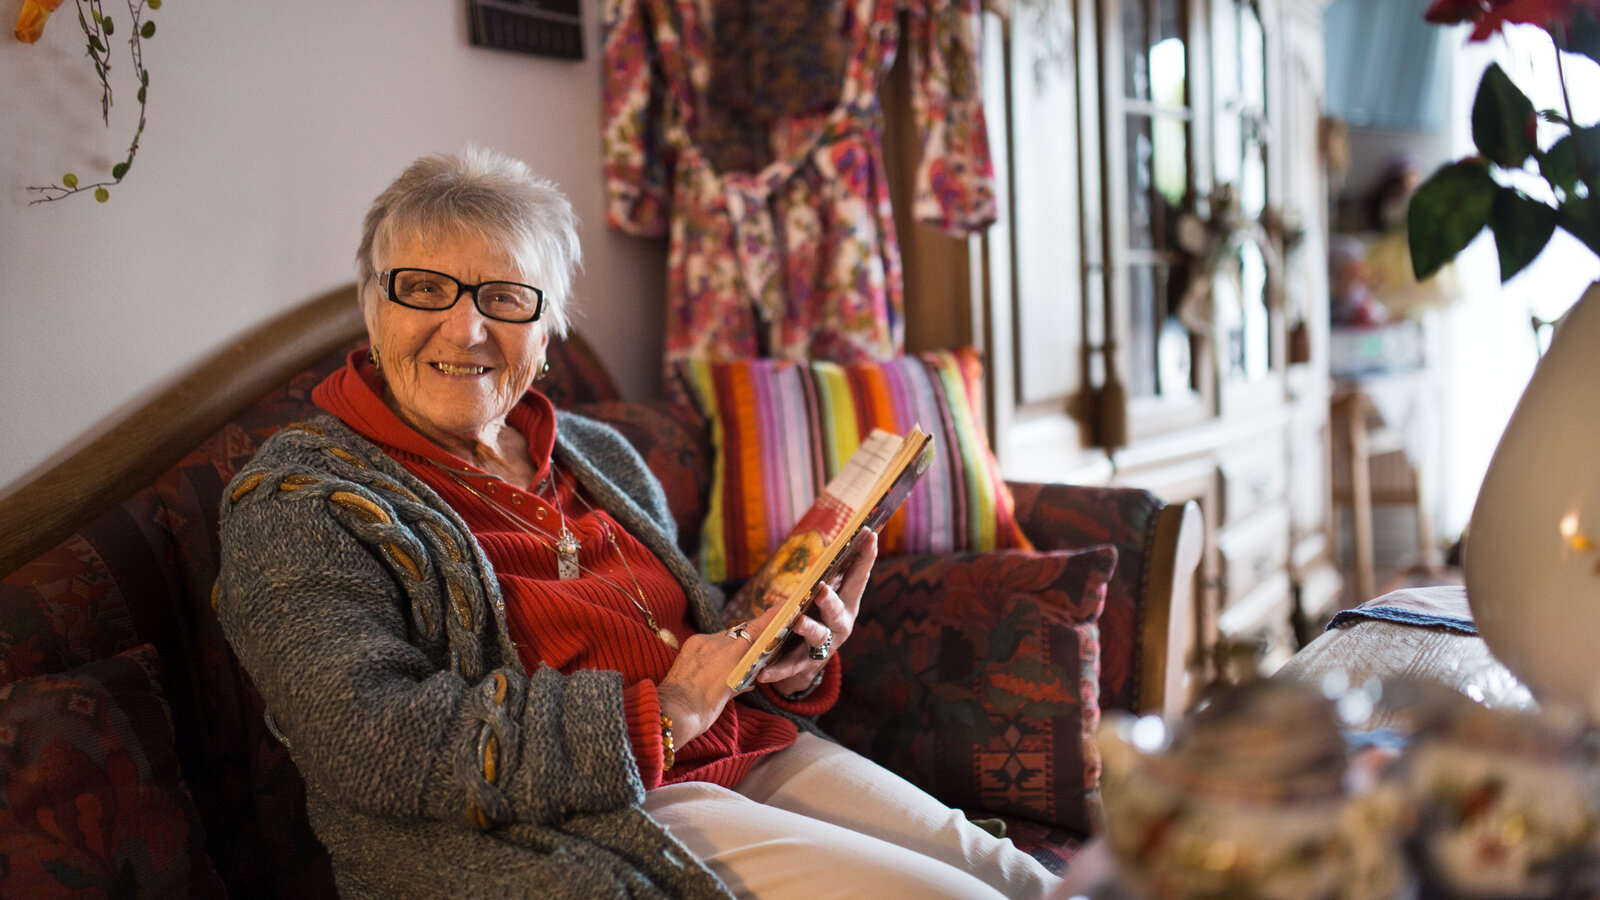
<point x="864" y="494"/>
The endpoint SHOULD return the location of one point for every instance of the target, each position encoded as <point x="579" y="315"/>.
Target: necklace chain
<point x="558" y="543"/>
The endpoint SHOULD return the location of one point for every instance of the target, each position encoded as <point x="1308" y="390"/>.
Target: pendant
<point x="667" y="637"/>
<point x="567" y="556"/>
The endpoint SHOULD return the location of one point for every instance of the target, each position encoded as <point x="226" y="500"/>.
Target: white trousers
<point x="816" y="821"/>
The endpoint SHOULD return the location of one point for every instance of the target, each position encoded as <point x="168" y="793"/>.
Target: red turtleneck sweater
<point x="590" y="622"/>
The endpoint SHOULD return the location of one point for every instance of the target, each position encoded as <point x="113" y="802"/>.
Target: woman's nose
<point x="464" y="324"/>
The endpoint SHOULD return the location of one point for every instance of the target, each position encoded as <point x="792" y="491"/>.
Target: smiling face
<point x="453" y="374"/>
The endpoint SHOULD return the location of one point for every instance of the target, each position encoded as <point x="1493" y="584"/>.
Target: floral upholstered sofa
<point x="133" y="753"/>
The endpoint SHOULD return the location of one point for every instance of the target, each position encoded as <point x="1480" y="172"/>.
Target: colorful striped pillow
<point x="781" y="430"/>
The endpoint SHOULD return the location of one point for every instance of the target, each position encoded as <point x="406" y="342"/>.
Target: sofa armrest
<point x="1148" y="631"/>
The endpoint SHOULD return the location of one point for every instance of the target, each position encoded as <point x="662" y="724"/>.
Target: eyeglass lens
<point x="507" y="301"/>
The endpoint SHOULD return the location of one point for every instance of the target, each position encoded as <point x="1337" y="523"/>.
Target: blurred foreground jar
<point x="1251" y="797"/>
<point x="1509" y="804"/>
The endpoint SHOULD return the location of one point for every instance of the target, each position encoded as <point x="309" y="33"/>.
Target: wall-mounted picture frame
<point x="540" y="27"/>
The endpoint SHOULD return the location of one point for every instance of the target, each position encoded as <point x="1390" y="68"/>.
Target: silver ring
<point x="825" y="649"/>
<point x="739" y="631"/>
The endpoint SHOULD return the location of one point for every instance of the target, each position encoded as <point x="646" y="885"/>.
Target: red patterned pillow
<point x="66" y="606"/>
<point x="976" y="677"/>
<point x="94" y="804"/>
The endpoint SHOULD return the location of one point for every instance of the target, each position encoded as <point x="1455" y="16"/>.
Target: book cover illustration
<point x="864" y="494"/>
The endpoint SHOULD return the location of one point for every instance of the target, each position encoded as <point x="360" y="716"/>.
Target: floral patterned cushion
<point x="94" y="804"/>
<point x="1057" y="516"/>
<point x="976" y="677"/>
<point x="63" y="608"/>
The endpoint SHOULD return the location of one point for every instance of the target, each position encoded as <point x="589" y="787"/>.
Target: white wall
<point x="272" y="125"/>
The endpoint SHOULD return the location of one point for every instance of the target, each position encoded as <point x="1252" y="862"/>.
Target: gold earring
<point x="544" y="368"/>
<point x="372" y="354"/>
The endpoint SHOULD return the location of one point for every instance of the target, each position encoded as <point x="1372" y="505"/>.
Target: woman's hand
<point x="696" y="687"/>
<point x="830" y="621"/>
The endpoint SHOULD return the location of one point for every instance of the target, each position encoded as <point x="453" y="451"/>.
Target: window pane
<point x="1224" y="50"/>
<point x="1230" y="138"/>
<point x="1174" y="358"/>
<point x="1256" y="350"/>
<point x="1253" y="182"/>
<point x="1169" y="20"/>
<point x="1227" y="312"/>
<point x="1141" y="183"/>
<point x="1252" y="57"/>
<point x="1135" y="50"/>
<point x="1169" y="60"/>
<point x="1170" y="140"/>
<point x="1243" y="319"/>
<point x="1142" y="334"/>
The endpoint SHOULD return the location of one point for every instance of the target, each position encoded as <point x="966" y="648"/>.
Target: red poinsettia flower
<point x="1490" y="16"/>
<point x="1453" y="12"/>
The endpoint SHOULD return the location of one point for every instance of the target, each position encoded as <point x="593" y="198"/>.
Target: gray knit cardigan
<point x="435" y="766"/>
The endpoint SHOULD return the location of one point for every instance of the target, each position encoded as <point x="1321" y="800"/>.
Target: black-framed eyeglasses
<point x="505" y="301"/>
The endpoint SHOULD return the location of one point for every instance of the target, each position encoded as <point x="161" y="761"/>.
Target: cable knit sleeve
<point x="371" y="625"/>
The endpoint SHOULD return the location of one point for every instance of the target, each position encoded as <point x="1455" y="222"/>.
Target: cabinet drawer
<point x="1251" y="478"/>
<point x="1256" y="633"/>
<point x="1254" y="550"/>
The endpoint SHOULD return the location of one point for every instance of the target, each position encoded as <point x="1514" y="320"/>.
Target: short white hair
<point x="485" y="193"/>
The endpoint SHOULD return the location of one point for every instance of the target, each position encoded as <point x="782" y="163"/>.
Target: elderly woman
<point x="473" y="629"/>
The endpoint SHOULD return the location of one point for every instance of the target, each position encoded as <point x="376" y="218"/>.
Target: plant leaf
<point x="1503" y="120"/>
<point x="1559" y="164"/>
<point x="119" y="170"/>
<point x="70" y="180"/>
<point x="147" y="29"/>
<point x="1522" y="226"/>
<point x="1586" y="150"/>
<point x="1581" y="217"/>
<point x="1447" y="212"/>
<point x="101" y="195"/>
<point x="107" y="26"/>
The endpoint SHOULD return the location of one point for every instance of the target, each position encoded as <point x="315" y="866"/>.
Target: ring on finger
<point x="740" y="631"/>
<point x="824" y="649"/>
